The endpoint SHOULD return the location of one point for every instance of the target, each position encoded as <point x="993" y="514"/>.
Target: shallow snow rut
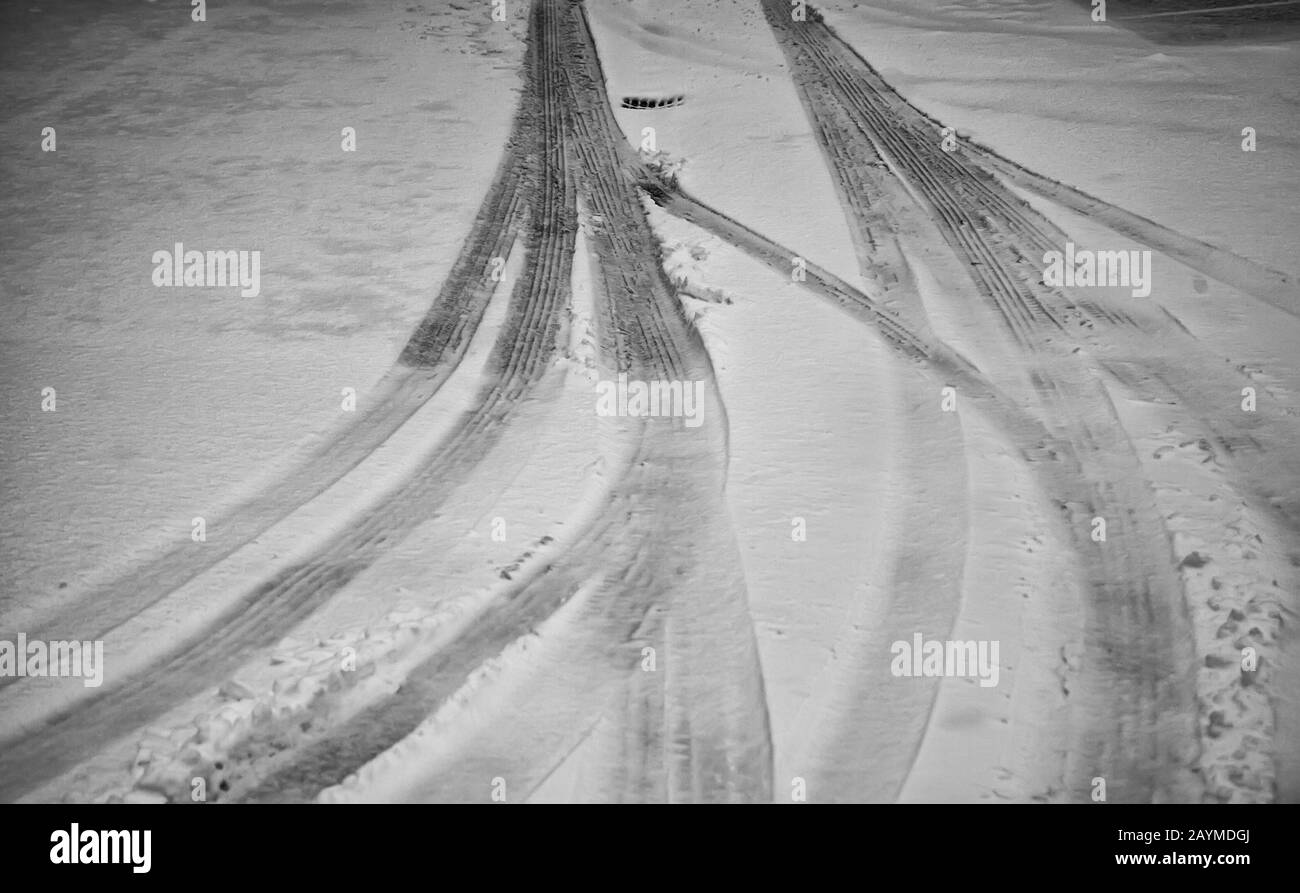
<point x="1138" y="638"/>
<point x="658" y="565"/>
<point x="270" y="608"/>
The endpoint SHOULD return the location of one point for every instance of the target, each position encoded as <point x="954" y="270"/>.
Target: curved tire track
<point x="1137" y="637"/>
<point x="703" y="735"/>
<point x="535" y="178"/>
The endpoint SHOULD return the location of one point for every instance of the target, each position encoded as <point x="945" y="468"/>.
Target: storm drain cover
<point x="653" y="102"/>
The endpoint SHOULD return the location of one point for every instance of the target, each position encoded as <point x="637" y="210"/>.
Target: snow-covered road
<point x="891" y="414"/>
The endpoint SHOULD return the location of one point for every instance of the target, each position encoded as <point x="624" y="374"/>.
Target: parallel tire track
<point x="433" y="352"/>
<point x="1279" y="289"/>
<point x="1137" y="628"/>
<point x="642" y="331"/>
<point x="525" y="348"/>
<point x="1003" y="241"/>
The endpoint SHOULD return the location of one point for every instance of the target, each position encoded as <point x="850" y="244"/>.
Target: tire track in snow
<point x="1003" y="240"/>
<point x="524" y="350"/>
<point x="1049" y="453"/>
<point x="916" y="592"/>
<point x="1274" y="287"/>
<point x="1149" y="356"/>
<point x="432" y="354"/>
<point x="702" y="735"/>
<point x="1137" y="636"/>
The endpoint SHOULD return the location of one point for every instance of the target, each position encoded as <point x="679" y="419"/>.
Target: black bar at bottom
<point x="362" y="843"/>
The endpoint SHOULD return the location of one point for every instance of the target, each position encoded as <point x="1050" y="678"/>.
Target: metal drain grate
<point x="653" y="102"/>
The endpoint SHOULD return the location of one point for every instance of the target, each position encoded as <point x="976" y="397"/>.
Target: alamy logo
<point x="1078" y="269"/>
<point x="74" y="846"/>
<point x="36" y="658"/>
<point x="209" y="269"/>
<point x="680" y="399"/>
<point x="946" y="658"/>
